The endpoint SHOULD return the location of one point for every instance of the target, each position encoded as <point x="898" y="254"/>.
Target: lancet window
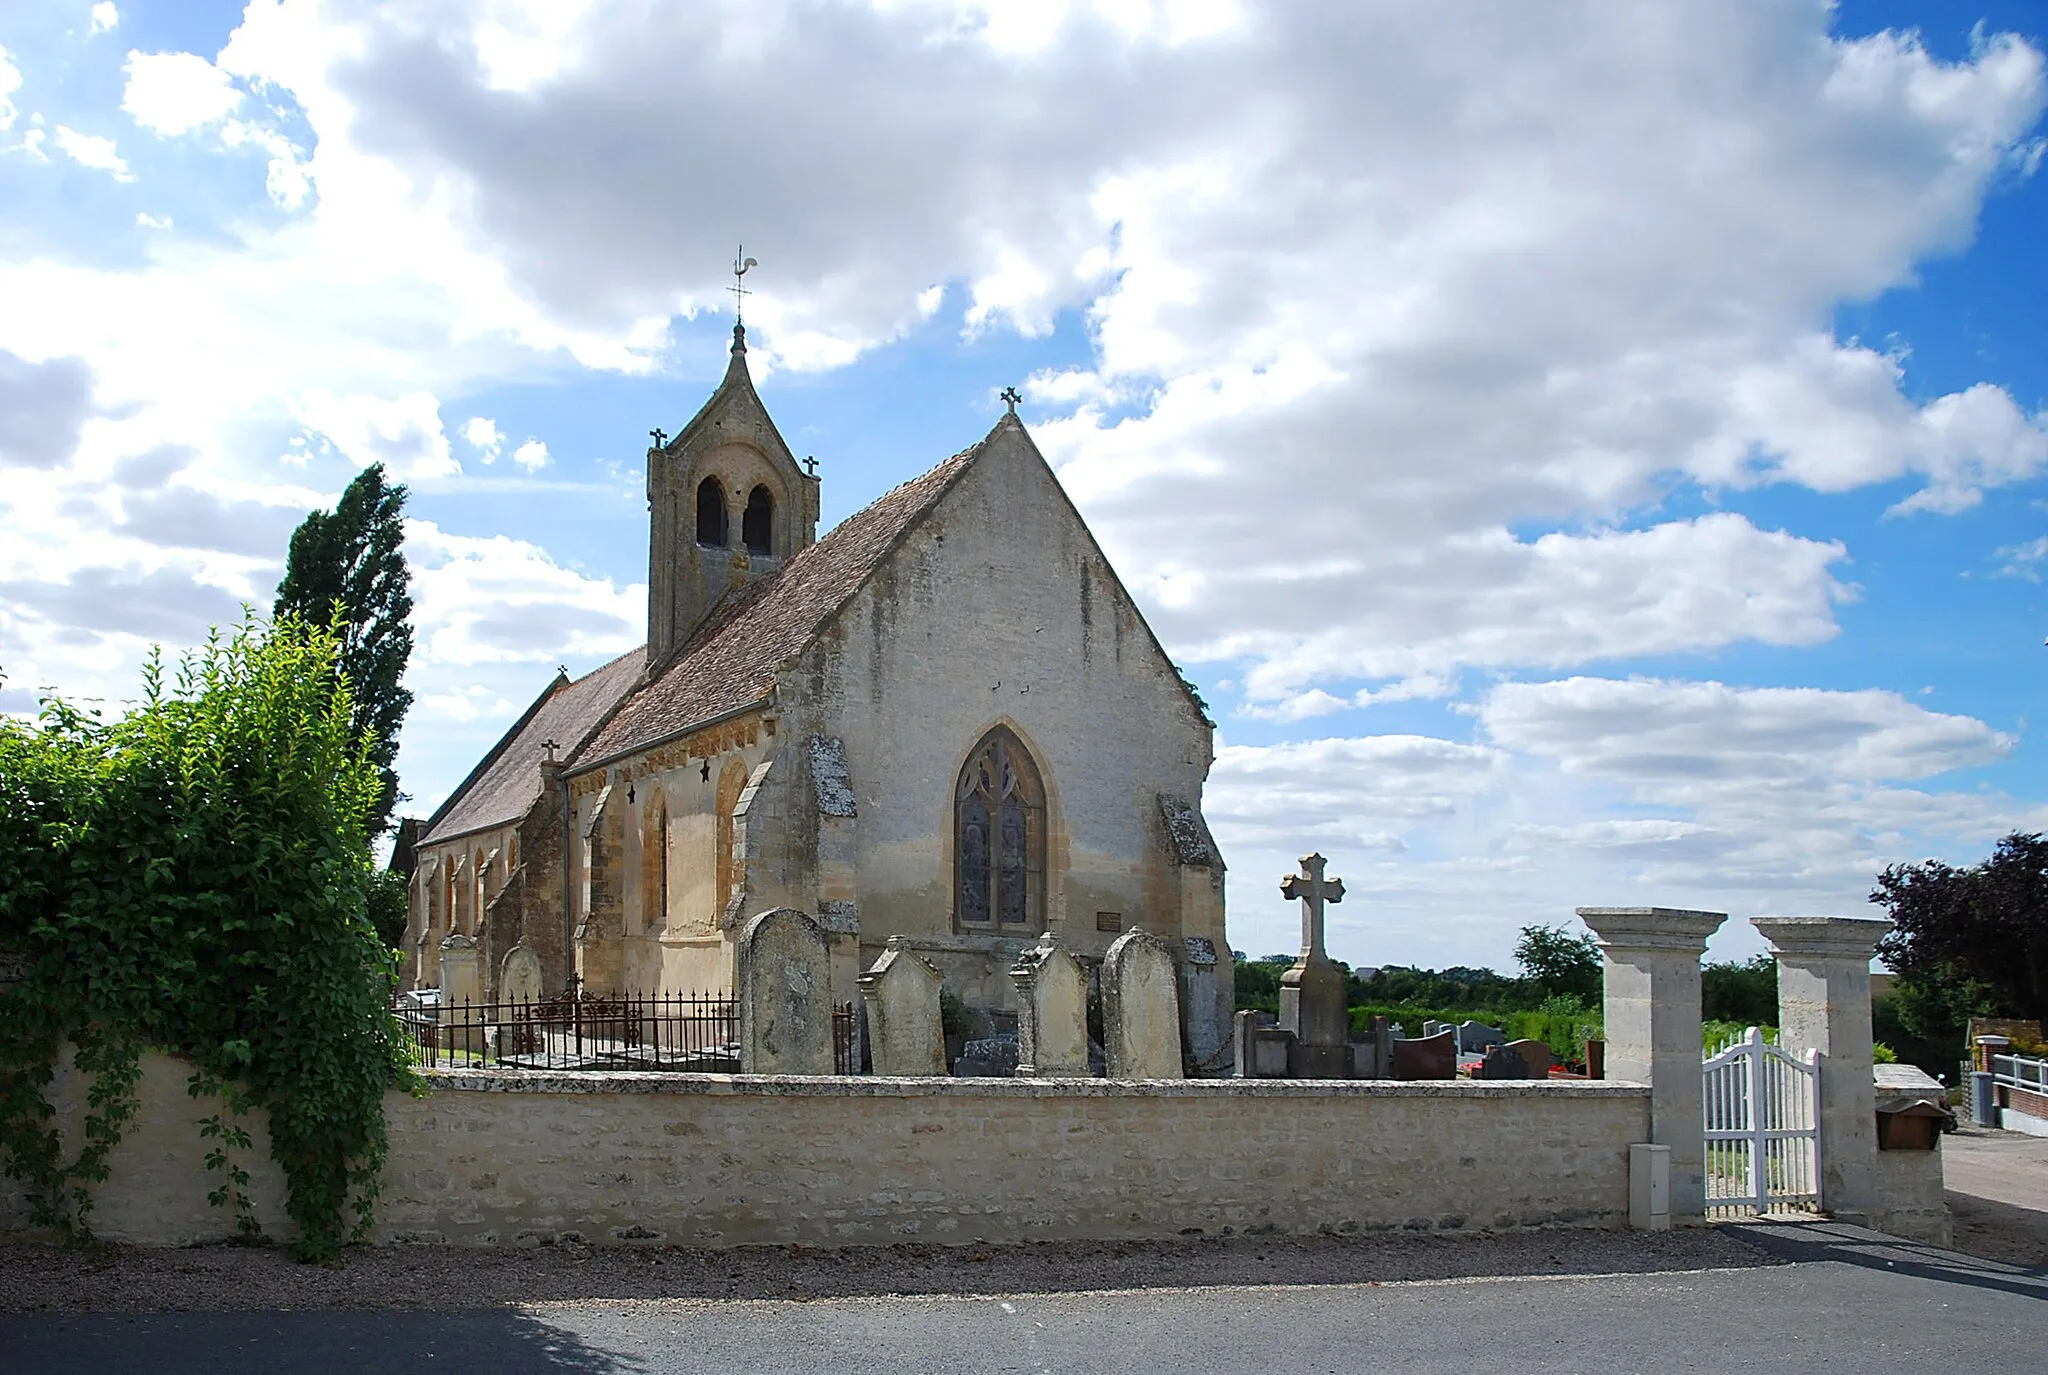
<point x="999" y="838"/>
<point x="711" y="524"/>
<point x="757" y="525"/>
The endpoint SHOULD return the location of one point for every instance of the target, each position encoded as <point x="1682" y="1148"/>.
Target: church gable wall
<point x="999" y="611"/>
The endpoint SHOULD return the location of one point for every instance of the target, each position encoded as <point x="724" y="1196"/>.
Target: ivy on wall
<point x="196" y="876"/>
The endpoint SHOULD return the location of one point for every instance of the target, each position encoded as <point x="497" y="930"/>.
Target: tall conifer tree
<point x="346" y="565"/>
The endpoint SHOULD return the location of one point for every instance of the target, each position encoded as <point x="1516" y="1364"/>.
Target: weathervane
<point x="1009" y="394"/>
<point x="740" y="263"/>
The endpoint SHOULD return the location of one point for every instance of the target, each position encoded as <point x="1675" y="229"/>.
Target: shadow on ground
<point x="503" y="1343"/>
<point x="1809" y="1242"/>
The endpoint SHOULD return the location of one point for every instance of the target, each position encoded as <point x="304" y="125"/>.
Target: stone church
<point x="945" y="720"/>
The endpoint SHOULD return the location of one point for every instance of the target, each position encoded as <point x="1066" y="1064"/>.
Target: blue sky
<point x="1584" y="456"/>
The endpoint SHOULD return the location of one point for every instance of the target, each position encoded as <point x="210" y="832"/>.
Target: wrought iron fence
<point x="582" y="1031"/>
<point x="845" y="1051"/>
<point x="574" y="1031"/>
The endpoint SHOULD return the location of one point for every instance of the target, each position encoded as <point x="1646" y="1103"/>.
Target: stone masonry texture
<point x="500" y="1159"/>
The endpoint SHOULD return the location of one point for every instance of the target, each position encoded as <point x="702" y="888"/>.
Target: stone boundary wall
<point x="508" y="1159"/>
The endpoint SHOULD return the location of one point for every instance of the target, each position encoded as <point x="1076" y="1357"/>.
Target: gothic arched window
<point x="757" y="526"/>
<point x="711" y="513"/>
<point x="999" y="838"/>
<point x="654" y="861"/>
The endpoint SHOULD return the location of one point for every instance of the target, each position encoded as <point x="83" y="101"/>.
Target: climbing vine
<point x="195" y="876"/>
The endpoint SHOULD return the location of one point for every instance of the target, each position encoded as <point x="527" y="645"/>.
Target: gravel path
<point x="113" y="1279"/>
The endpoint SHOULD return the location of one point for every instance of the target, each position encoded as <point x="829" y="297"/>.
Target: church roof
<point x="503" y="787"/>
<point x="731" y="660"/>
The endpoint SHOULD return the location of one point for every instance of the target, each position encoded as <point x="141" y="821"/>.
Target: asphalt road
<point x="1851" y="1301"/>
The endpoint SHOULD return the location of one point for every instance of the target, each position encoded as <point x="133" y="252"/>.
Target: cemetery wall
<point x="517" y="1159"/>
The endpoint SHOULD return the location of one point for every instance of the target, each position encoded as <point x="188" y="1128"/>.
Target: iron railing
<point x="2020" y="1072"/>
<point x="575" y="1031"/>
<point x="581" y="1031"/>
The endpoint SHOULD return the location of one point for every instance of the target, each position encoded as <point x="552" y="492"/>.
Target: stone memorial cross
<point x="1312" y="1001"/>
<point x="1313" y="890"/>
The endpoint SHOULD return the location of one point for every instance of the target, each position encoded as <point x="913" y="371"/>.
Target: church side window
<point x="654" y="863"/>
<point x="757" y="526"/>
<point x="999" y="838"/>
<point x="732" y="781"/>
<point x="711" y="528"/>
<point x="476" y="906"/>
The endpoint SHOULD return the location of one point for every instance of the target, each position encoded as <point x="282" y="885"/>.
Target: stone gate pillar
<point x="1824" y="1005"/>
<point x="1652" y="1012"/>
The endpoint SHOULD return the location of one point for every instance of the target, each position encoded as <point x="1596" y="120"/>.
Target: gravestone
<point x="1313" y="1001"/>
<point x="1536" y="1055"/>
<point x="1427" y="1057"/>
<point x="1502" y="1062"/>
<point x="1052" y="1012"/>
<point x="784" y="995"/>
<point x="519" y="977"/>
<point x="1141" y="1009"/>
<point x="1475" y="1037"/>
<point x="1432" y="1027"/>
<point x="901" y="994"/>
<point x="991" y="1057"/>
<point x="1261" y="1047"/>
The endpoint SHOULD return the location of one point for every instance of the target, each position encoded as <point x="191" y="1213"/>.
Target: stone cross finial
<point x="1009" y="394"/>
<point x="1313" y="890"/>
<point x="810" y="465"/>
<point x="659" y="435"/>
<point x="550" y="746"/>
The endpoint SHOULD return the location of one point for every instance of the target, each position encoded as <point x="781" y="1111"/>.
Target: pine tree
<point x="346" y="566"/>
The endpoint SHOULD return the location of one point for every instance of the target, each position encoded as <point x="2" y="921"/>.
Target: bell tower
<point x="727" y="504"/>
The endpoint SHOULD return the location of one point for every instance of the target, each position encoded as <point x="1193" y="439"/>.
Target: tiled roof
<point x="730" y="662"/>
<point x="505" y="785"/>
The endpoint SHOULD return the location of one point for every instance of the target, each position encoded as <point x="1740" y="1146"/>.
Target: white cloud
<point x="91" y="150"/>
<point x="1686" y="735"/>
<point x="532" y="455"/>
<point x="288" y="178"/>
<point x="501" y="600"/>
<point x="105" y="18"/>
<point x="145" y="220"/>
<point x="174" y="93"/>
<point x="484" y="436"/>
<point x="10" y="82"/>
<point x="401" y="432"/>
<point x="2023" y="560"/>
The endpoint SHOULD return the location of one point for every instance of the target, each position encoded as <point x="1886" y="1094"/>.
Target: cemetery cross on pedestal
<point x="1314" y="890"/>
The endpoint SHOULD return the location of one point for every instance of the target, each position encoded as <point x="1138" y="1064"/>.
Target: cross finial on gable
<point x="1313" y="890"/>
<point x="1010" y="395"/>
<point x="810" y="465"/>
<point x="659" y="435"/>
<point x="550" y="746"/>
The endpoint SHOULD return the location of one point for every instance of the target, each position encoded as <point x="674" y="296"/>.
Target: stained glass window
<point x="999" y="838"/>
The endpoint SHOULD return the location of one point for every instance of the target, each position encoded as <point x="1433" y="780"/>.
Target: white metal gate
<point x="1763" y="1129"/>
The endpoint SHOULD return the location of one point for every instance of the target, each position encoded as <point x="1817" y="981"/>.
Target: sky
<point x="1584" y="454"/>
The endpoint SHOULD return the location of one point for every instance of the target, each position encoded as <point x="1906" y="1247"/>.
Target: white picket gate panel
<point x="1763" y="1129"/>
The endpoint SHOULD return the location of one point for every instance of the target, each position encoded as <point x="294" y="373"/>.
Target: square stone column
<point x="1652" y="1011"/>
<point x="1824" y="1005"/>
